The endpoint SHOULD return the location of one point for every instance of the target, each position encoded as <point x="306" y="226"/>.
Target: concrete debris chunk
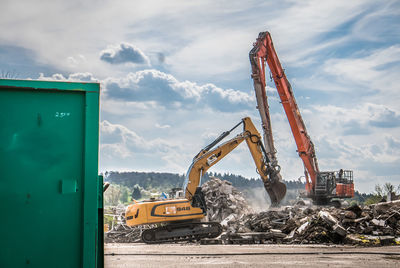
<point x="290" y="236"/>
<point x="356" y="210"/>
<point x="339" y="230"/>
<point x="378" y="222"/>
<point x="226" y="189"/>
<point x="224" y="202"/>
<point x="303" y="227"/>
<point x="327" y="217"/>
<point x="224" y="223"/>
<point x="350" y="215"/>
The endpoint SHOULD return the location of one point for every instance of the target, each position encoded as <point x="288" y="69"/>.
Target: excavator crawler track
<point x="178" y="232"/>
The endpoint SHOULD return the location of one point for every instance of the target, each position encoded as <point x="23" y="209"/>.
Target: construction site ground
<point x="261" y="255"/>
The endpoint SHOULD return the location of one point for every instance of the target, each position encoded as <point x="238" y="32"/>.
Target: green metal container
<point x="50" y="191"/>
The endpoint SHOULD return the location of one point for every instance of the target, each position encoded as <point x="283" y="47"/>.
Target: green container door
<point x="45" y="181"/>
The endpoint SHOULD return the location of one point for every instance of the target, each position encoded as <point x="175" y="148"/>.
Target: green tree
<point x="388" y="188"/>
<point x="112" y="195"/>
<point x="124" y="194"/>
<point x="373" y="200"/>
<point x="378" y="190"/>
<point x="136" y="193"/>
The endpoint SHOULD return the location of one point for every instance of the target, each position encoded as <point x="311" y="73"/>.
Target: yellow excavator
<point x="180" y="218"/>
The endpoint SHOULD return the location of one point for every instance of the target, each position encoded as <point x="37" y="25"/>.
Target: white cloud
<point x="208" y="38"/>
<point x="371" y="70"/>
<point x="124" y="53"/>
<point x="167" y="91"/>
<point x="120" y="144"/>
<point x="298" y="29"/>
<point x="369" y="27"/>
<point x="367" y="115"/>
<point x="162" y="126"/>
<point x="120" y="135"/>
<point x="155" y="88"/>
<point x="76" y="60"/>
<point x="77" y="77"/>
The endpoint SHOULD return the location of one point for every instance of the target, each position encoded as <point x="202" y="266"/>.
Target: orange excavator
<point x="321" y="186"/>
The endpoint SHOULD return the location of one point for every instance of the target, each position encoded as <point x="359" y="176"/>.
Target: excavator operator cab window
<point x="321" y="179"/>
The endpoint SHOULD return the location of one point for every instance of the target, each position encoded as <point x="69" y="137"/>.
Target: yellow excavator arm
<point x="208" y="157"/>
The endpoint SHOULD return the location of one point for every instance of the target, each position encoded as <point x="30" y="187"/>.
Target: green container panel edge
<point x="50" y="187"/>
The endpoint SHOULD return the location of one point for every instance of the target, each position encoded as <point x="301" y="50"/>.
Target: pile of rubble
<point x="118" y="231"/>
<point x="224" y="202"/>
<point x="371" y="225"/>
<point x="299" y="224"/>
<point x="123" y="234"/>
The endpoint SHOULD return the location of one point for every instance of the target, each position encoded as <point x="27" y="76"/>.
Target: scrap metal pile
<point x="118" y="231"/>
<point x="370" y="225"/>
<point x="224" y="202"/>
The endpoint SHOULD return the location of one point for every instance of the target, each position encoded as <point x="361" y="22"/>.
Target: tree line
<point x="126" y="186"/>
<point x="166" y="181"/>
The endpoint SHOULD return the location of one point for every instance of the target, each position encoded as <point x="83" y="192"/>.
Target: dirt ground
<point x="192" y="255"/>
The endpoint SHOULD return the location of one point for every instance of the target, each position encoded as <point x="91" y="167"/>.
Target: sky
<point x="176" y="74"/>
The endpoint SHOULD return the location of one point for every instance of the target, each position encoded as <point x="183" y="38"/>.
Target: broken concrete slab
<point x="327" y="217"/>
<point x="384" y="207"/>
<point x="339" y="230"/>
<point x="378" y="222"/>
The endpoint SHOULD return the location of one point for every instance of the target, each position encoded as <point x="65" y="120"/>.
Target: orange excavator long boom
<point x="323" y="184"/>
<point x="264" y="51"/>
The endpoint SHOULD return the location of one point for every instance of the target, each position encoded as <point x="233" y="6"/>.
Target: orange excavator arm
<point x="264" y="51"/>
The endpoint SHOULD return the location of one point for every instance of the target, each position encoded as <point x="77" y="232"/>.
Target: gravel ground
<point x="193" y="255"/>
